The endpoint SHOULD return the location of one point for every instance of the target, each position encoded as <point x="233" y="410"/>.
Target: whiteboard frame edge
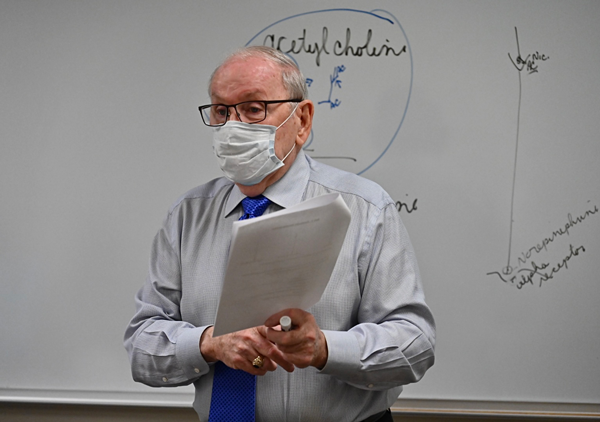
<point x="489" y="408"/>
<point x="402" y="406"/>
<point x="102" y="398"/>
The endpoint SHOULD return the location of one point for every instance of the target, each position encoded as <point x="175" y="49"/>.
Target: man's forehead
<point x="247" y="78"/>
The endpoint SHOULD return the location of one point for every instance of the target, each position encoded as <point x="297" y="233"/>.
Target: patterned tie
<point x="254" y="207"/>
<point x="234" y="391"/>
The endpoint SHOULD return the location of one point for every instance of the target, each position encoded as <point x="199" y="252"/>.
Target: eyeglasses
<point x="247" y="111"/>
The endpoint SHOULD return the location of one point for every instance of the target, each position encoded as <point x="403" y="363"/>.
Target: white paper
<point x="281" y="260"/>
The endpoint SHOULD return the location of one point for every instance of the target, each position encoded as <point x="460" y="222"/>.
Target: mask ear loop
<point x="286" y="155"/>
<point x="288" y="118"/>
<point x="284" y="122"/>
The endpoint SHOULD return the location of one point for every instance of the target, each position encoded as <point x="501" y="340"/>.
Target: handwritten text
<point x="539" y="273"/>
<point x="347" y="47"/>
<point x="530" y="62"/>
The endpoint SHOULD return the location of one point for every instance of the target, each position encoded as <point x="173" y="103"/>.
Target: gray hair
<point x="293" y="80"/>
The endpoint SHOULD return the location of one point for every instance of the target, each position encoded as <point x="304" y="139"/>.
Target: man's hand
<point x="304" y="345"/>
<point x="238" y="350"/>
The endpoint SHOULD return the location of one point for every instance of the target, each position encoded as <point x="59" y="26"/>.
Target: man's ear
<point x="307" y="110"/>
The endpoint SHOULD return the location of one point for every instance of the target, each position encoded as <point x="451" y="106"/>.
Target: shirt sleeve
<point x="393" y="342"/>
<point x="163" y="350"/>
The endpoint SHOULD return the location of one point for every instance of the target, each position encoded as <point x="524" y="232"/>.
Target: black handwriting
<point x="539" y="272"/>
<point x="555" y="234"/>
<point x="529" y="62"/>
<point x="340" y="48"/>
<point x="400" y="205"/>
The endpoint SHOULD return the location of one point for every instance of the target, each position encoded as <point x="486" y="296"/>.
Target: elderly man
<point x="347" y="357"/>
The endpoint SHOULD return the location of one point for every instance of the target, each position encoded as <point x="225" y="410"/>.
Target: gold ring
<point x="258" y="362"/>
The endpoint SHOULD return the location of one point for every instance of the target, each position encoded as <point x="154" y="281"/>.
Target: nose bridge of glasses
<point x="235" y="115"/>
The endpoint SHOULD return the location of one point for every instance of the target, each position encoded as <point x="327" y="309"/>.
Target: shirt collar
<point x="286" y="192"/>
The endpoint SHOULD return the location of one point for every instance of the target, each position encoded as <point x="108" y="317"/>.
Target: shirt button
<point x="370" y="385"/>
<point x="165" y="379"/>
<point x="196" y="370"/>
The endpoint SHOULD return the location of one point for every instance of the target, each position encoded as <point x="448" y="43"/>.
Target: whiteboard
<point x="481" y="119"/>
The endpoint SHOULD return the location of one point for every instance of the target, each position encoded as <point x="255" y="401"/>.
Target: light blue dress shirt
<point x="380" y="333"/>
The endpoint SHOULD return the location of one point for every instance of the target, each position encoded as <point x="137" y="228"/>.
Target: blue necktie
<point x="234" y="391"/>
<point x="254" y="207"/>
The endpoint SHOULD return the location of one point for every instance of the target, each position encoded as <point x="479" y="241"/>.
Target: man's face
<point x="258" y="79"/>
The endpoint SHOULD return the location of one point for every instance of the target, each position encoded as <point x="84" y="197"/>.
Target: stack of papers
<point x="281" y="260"/>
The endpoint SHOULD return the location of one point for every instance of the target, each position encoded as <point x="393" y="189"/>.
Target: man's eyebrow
<point x="249" y="96"/>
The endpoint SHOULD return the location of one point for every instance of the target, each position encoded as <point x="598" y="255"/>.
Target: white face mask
<point x="246" y="152"/>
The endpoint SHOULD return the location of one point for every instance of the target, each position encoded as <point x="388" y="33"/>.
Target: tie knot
<point x="254" y="207"/>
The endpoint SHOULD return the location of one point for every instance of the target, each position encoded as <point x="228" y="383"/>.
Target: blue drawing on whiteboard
<point x="334" y="81"/>
<point x="358" y="65"/>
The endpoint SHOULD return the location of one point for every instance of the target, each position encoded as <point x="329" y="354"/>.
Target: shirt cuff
<point x="343" y="353"/>
<point x="187" y="351"/>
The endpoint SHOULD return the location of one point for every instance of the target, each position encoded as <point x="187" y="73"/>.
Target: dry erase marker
<point x="286" y="323"/>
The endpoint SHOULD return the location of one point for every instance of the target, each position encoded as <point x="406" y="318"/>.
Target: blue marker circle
<point x="343" y="21"/>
